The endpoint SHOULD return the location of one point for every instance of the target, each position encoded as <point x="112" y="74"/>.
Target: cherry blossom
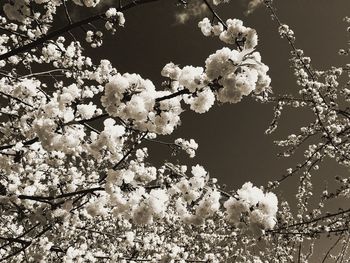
<point x="77" y="182"/>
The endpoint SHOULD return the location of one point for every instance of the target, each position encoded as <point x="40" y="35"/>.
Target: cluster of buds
<point x="114" y="19"/>
<point x="285" y="31"/>
<point x="94" y="38"/>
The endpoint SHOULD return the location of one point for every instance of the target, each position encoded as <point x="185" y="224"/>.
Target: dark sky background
<point x="233" y="146"/>
<point x="232" y="143"/>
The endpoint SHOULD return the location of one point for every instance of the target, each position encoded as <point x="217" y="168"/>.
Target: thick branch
<point x="173" y="95"/>
<point x="215" y="14"/>
<point x="36" y="139"/>
<point x="67" y="28"/>
<point x="47" y="198"/>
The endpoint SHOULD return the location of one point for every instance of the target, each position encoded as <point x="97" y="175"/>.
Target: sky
<point x="232" y="143"/>
<point x="233" y="146"/>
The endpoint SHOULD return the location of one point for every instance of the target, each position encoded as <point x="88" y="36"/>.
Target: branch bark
<point x="67" y="28"/>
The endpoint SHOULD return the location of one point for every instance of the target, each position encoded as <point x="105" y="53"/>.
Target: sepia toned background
<point x="233" y="146"/>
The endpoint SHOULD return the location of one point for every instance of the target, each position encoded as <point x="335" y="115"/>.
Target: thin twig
<point x="67" y="28"/>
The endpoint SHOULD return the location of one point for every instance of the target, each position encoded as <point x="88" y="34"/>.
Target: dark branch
<point x="67" y="28"/>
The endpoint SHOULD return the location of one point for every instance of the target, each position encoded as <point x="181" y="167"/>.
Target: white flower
<point x="86" y="111"/>
<point x="198" y="171"/>
<point x="189" y="146"/>
<point x="240" y="73"/>
<point x="171" y="70"/>
<point x="260" y="207"/>
<point x="202" y="101"/>
<point x="192" y="78"/>
<point x="205" y="26"/>
<point x="121" y="18"/>
<point x="237" y="32"/>
<point x="111" y="12"/>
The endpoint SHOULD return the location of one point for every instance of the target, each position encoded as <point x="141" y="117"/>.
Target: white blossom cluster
<point x="322" y="92"/>
<point x="208" y="29"/>
<point x="94" y="38"/>
<point x="133" y="99"/>
<point x="239" y="73"/>
<point x="252" y="207"/>
<point x="285" y="31"/>
<point x="76" y="184"/>
<point x="189" y="147"/>
<point x="234" y="32"/>
<point x="111" y="139"/>
<point x="114" y="18"/>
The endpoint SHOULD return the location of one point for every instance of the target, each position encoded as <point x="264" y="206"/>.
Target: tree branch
<point x="47" y="198"/>
<point x="67" y="28"/>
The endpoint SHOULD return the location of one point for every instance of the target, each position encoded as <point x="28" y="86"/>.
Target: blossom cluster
<point x="73" y="171"/>
<point x="233" y="32"/>
<point x="114" y="18"/>
<point x="252" y="207"/>
<point x="189" y="147"/>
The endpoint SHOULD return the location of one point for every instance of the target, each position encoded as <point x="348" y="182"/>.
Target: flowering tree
<point x="76" y="183"/>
